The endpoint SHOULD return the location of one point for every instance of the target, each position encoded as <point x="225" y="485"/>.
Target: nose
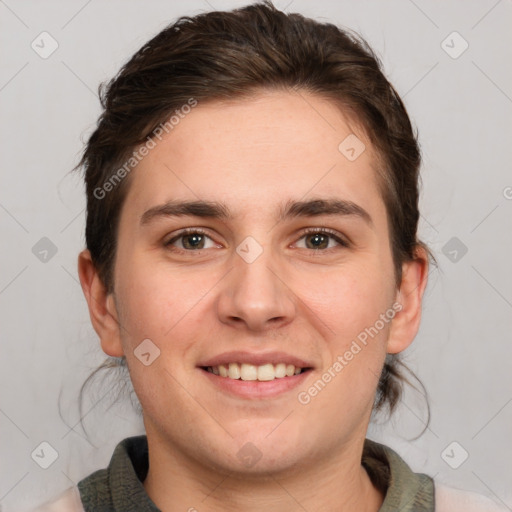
<point x="255" y="296"/>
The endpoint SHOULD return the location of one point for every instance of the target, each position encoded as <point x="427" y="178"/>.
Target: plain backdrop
<point x="459" y="99"/>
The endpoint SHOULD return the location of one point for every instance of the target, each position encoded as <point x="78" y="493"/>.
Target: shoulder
<point x="407" y="490"/>
<point x="68" y="501"/>
<point x="118" y="486"/>
<point x="449" y="499"/>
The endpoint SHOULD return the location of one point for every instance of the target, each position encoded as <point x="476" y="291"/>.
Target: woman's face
<point x="288" y="262"/>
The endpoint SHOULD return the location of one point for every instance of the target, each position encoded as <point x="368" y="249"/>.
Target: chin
<point x="264" y="450"/>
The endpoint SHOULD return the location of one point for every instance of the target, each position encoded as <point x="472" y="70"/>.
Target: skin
<point x="254" y="155"/>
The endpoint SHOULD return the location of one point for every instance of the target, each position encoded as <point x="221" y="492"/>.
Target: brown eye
<point x="191" y="240"/>
<point x="195" y="241"/>
<point x="317" y="241"/>
<point x="322" y="240"/>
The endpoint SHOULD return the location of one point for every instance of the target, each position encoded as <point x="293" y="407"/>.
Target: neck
<point x="176" y="483"/>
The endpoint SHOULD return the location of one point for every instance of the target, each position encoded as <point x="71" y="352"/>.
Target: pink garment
<point x="448" y="499"/>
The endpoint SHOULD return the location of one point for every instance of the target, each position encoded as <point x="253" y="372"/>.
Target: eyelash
<point x="309" y="231"/>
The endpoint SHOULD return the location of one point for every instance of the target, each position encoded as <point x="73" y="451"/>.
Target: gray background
<point x="462" y="107"/>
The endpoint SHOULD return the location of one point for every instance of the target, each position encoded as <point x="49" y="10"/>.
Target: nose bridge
<point x="254" y="293"/>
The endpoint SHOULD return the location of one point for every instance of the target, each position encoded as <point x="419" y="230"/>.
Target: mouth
<point x="249" y="372"/>
<point x="255" y="376"/>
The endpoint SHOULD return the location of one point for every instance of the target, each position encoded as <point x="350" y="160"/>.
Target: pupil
<point x="318" y="240"/>
<point x="193" y="241"/>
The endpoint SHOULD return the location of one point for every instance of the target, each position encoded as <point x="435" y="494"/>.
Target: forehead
<point x="271" y="147"/>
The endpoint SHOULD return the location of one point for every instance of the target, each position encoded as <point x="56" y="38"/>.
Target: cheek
<point x="161" y="304"/>
<point x="350" y="307"/>
<point x="349" y="299"/>
<point x="342" y="394"/>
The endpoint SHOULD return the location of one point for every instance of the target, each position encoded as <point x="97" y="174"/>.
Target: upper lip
<point x="255" y="358"/>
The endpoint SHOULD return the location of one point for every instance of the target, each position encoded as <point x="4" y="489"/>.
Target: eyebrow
<point x="291" y="209"/>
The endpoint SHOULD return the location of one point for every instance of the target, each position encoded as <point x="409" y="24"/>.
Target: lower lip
<point x="254" y="388"/>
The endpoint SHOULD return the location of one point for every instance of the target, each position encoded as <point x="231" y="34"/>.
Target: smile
<point x="255" y="375"/>
<point x="251" y="372"/>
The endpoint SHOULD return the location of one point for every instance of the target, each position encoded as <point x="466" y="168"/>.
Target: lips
<point x="264" y="372"/>
<point x="255" y="358"/>
<point x="253" y="374"/>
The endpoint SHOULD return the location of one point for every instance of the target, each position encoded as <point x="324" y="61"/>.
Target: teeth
<point x="280" y="370"/>
<point x="265" y="372"/>
<point x="248" y="372"/>
<point x="234" y="371"/>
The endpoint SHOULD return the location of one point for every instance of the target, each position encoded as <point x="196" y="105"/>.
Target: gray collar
<point x="119" y="488"/>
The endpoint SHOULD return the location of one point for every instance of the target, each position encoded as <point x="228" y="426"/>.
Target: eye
<point x="191" y="240"/>
<point x="196" y="239"/>
<point x="322" y="239"/>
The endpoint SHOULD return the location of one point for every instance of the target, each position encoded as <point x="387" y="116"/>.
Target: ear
<point x="406" y="323"/>
<point x="102" y="309"/>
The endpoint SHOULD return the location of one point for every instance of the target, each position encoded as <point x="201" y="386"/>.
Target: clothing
<point x="119" y="487"/>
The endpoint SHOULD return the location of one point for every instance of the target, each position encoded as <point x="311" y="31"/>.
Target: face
<point x="283" y="265"/>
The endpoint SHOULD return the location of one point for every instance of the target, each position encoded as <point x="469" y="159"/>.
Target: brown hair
<point x="226" y="55"/>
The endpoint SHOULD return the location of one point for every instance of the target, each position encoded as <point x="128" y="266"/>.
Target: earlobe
<point x="406" y="323"/>
<point x="102" y="308"/>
